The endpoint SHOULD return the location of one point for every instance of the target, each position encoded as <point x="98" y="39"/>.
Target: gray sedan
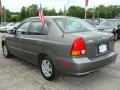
<point x="63" y="45"/>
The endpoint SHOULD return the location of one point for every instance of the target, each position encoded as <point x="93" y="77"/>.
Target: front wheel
<point x="6" y="51"/>
<point x="48" y="69"/>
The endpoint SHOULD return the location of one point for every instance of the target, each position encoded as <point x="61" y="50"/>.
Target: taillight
<point x="78" y="48"/>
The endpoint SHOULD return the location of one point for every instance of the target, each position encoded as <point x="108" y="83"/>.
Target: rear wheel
<point x="48" y="69"/>
<point x="6" y="51"/>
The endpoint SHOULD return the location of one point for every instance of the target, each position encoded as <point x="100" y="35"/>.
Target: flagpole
<point x="1" y="11"/>
<point x="85" y="12"/>
<point x="86" y="4"/>
<point x="1" y="15"/>
<point x="94" y="10"/>
<point x="67" y="7"/>
<point x="66" y="11"/>
<point x="4" y="14"/>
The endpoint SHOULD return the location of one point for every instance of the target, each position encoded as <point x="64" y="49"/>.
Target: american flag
<point x="41" y="15"/>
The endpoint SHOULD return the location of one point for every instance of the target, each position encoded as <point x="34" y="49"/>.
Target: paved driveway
<point x="16" y="74"/>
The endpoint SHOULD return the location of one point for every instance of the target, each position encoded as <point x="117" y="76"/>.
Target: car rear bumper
<point x="80" y="66"/>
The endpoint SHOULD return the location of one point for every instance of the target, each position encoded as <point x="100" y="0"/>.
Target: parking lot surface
<point x="16" y="74"/>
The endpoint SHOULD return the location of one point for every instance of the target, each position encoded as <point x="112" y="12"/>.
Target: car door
<point x="15" y="42"/>
<point x="34" y="41"/>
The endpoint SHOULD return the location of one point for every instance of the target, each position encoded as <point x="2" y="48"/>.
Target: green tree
<point x="102" y="11"/>
<point x="90" y="13"/>
<point x="52" y="12"/>
<point x="7" y="15"/>
<point x="76" y="11"/>
<point x="15" y="18"/>
<point x="46" y="11"/>
<point x="32" y="10"/>
<point x="23" y="13"/>
<point x="60" y="12"/>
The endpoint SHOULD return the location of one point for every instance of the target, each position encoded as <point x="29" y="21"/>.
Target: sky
<point x="15" y="5"/>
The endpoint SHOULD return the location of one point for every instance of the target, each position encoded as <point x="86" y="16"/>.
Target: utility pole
<point x="85" y="12"/>
<point x="86" y="4"/>
<point x="4" y="14"/>
<point x="94" y="10"/>
<point x="65" y="11"/>
<point x="1" y="11"/>
<point x="67" y="6"/>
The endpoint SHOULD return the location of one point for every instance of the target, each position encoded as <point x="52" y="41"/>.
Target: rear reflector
<point x="78" y="47"/>
<point x="65" y="64"/>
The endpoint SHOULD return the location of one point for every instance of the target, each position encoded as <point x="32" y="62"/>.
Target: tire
<point x="6" y="51"/>
<point x="116" y="37"/>
<point x="48" y="69"/>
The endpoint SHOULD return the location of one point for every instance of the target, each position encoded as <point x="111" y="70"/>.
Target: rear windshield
<point x="69" y="25"/>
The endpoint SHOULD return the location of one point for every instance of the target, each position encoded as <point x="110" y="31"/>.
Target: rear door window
<point x="45" y="29"/>
<point x="37" y="28"/>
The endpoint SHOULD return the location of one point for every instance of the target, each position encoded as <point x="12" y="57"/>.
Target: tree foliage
<point x="76" y="11"/>
<point x="32" y="10"/>
<point x="23" y="14"/>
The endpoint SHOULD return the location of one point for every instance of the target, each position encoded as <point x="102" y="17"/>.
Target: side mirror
<point x="12" y="31"/>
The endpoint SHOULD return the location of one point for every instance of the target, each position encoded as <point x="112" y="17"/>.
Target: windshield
<point x="73" y="25"/>
<point x="113" y="23"/>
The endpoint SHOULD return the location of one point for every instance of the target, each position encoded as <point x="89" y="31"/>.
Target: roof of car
<point x="54" y="17"/>
<point x="47" y="17"/>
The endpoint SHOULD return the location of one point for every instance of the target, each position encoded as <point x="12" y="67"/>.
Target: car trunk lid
<point x="97" y="43"/>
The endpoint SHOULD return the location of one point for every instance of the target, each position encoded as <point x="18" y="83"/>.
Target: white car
<point x="5" y="28"/>
<point x="2" y="27"/>
<point x="12" y="27"/>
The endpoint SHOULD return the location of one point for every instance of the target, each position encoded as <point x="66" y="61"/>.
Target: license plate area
<point x="102" y="48"/>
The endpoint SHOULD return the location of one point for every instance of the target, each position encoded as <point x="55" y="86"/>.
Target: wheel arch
<point x="41" y="55"/>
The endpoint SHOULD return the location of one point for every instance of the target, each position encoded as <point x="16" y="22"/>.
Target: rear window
<point x="69" y="25"/>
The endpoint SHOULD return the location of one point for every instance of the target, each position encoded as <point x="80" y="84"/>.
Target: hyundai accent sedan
<point x="63" y="45"/>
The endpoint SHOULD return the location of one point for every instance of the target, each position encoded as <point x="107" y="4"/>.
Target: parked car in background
<point x="5" y="28"/>
<point x="94" y="22"/>
<point x="13" y="27"/>
<point x="2" y="26"/>
<point x="61" y="46"/>
<point x="110" y="26"/>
